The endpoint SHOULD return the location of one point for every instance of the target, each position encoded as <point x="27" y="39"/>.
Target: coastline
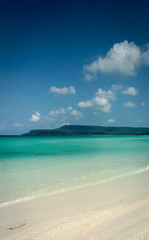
<point x="29" y="198"/>
<point x="112" y="210"/>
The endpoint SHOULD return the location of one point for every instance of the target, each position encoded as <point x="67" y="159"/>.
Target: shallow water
<point x="33" y="167"/>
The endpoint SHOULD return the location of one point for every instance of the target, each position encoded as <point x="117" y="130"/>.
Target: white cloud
<point x="63" y="91"/>
<point x="106" y="94"/>
<point x="145" y="55"/>
<point x="130" y="105"/>
<point x="111" y="121"/>
<point x="100" y="102"/>
<point x="123" y="58"/>
<point x="86" y="104"/>
<point x="124" y="90"/>
<point x="56" y="113"/>
<point x="76" y="114"/>
<point x="18" y="125"/>
<point x="61" y="113"/>
<point x="142" y="104"/>
<point x="69" y="108"/>
<point x="64" y="124"/>
<point x="130" y="91"/>
<point x="35" y="117"/>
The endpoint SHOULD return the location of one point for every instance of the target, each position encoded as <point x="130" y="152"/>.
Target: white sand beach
<point x="114" y="210"/>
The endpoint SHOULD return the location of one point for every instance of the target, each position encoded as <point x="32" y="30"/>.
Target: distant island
<point x="82" y="130"/>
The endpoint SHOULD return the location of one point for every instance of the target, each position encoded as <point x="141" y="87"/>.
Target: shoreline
<point x="104" y="211"/>
<point x="30" y="198"/>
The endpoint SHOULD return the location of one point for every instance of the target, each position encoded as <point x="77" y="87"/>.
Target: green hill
<point x="82" y="130"/>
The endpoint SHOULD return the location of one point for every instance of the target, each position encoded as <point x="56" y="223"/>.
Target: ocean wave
<point x="140" y="170"/>
<point x="24" y="199"/>
<point x="11" y="202"/>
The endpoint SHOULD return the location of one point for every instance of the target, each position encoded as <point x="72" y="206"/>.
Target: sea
<point x="32" y="167"/>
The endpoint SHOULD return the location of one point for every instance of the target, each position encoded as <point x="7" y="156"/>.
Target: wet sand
<point x="114" y="210"/>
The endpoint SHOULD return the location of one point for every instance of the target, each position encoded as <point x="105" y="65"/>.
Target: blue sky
<point x="73" y="62"/>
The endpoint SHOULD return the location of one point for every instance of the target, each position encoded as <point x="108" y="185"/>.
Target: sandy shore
<point x="113" y="210"/>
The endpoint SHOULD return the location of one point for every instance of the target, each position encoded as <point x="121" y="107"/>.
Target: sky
<point x="73" y="62"/>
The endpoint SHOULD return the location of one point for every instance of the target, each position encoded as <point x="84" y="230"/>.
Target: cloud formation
<point x="86" y="104"/>
<point x="76" y="114"/>
<point x="65" y="112"/>
<point x="58" y="112"/>
<point x="111" y="121"/>
<point x="101" y="101"/>
<point x="130" y="91"/>
<point x="129" y="105"/>
<point x="69" y="108"/>
<point x="123" y="58"/>
<point x="35" y="117"/>
<point x="63" y="91"/>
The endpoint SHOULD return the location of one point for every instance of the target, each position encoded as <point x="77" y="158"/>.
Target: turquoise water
<point x="33" y="167"/>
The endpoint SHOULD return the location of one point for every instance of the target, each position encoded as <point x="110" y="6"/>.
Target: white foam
<point x="11" y="202"/>
<point x="142" y="170"/>
<point x="24" y="199"/>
